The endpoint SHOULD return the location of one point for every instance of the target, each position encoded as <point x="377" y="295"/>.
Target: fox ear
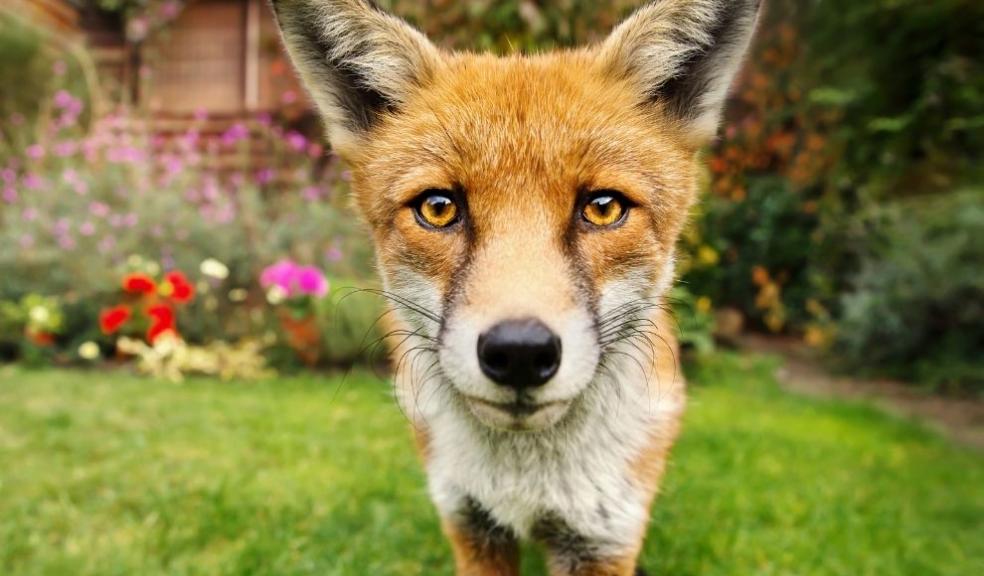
<point x="683" y="55"/>
<point x="356" y="60"/>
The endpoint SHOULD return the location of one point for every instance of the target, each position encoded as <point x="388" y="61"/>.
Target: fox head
<point x="524" y="209"/>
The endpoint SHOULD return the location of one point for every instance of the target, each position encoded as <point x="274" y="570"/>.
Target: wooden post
<point x="252" y="54"/>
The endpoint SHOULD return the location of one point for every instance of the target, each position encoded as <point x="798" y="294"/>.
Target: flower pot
<point x="303" y="336"/>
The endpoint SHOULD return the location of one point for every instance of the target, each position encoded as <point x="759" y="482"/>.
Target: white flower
<point x="276" y="295"/>
<point x="89" y="351"/>
<point x="214" y="269"/>
<point x="39" y="314"/>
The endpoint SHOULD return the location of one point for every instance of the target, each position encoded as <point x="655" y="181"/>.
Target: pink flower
<point x="236" y="133"/>
<point x="66" y="242"/>
<point x="35" y="152"/>
<point x="63" y="99"/>
<point x="311" y="282"/>
<point x="295" y="280"/>
<point x="98" y="209"/>
<point x="33" y="182"/>
<point x="10" y="195"/>
<point x="66" y="148"/>
<point x="296" y="141"/>
<point x="288" y="97"/>
<point x="137" y="29"/>
<point x="278" y="274"/>
<point x="29" y="215"/>
<point x="170" y="9"/>
<point x="315" y="150"/>
<point x="87" y="228"/>
<point x="265" y="176"/>
<point x="59" y="68"/>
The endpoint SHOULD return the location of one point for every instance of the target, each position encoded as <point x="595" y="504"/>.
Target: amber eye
<point x="605" y="209"/>
<point x="437" y="209"/>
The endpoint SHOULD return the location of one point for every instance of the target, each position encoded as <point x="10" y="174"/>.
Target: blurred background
<point x="169" y="208"/>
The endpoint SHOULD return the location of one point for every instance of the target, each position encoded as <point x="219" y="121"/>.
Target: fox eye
<point x="437" y="209"/>
<point x="605" y="209"/>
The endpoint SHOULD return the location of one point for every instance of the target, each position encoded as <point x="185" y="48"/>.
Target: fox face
<point x="524" y="209"/>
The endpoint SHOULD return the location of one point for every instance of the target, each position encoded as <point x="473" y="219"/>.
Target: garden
<point x="192" y="374"/>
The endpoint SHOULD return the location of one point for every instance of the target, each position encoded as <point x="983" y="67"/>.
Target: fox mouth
<point x="520" y="415"/>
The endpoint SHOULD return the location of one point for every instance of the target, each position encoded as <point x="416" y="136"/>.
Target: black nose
<point x="519" y="353"/>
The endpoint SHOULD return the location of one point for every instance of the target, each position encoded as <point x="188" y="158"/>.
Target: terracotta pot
<point x="303" y="336"/>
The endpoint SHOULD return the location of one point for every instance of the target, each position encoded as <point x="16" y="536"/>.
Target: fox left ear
<point x="683" y="55"/>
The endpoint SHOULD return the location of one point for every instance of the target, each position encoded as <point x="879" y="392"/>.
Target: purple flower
<point x="288" y="97"/>
<point x="10" y="195"/>
<point x="265" y="176"/>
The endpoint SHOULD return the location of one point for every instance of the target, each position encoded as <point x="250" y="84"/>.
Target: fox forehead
<point x="505" y="128"/>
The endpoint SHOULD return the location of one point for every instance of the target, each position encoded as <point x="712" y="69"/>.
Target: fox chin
<point x="525" y="212"/>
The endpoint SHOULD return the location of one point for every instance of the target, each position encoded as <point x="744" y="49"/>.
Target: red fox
<point x="525" y="211"/>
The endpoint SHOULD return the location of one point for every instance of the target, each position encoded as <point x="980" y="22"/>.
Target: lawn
<point x="109" y="474"/>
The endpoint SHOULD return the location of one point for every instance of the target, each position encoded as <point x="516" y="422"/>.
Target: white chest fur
<point x="581" y="473"/>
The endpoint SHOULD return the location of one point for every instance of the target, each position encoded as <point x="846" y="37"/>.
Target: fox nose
<point x="519" y="354"/>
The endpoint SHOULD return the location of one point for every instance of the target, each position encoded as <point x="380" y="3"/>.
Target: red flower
<point x="139" y="284"/>
<point x="181" y="290"/>
<point x="162" y="321"/>
<point x="112" y="319"/>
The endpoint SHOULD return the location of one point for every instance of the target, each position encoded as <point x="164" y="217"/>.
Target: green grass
<point x="108" y="474"/>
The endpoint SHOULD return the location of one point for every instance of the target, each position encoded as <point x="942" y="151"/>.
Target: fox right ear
<point x="356" y="61"/>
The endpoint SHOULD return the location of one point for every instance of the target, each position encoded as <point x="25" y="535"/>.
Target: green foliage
<point x="761" y="236"/>
<point x="353" y="321"/>
<point x="513" y="25"/>
<point x="29" y="66"/>
<point x="916" y="307"/>
<point x="694" y="320"/>
<point x="909" y="81"/>
<point x="107" y="474"/>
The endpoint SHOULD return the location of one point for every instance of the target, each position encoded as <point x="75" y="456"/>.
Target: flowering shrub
<point x="155" y="301"/>
<point x="80" y="208"/>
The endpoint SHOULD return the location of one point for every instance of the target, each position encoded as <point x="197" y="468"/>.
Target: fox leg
<point x="481" y="546"/>
<point x="572" y="554"/>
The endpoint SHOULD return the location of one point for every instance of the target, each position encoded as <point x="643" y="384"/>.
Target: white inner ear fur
<point x="669" y="39"/>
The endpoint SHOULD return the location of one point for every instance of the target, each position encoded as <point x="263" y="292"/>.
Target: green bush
<point x="916" y="307"/>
